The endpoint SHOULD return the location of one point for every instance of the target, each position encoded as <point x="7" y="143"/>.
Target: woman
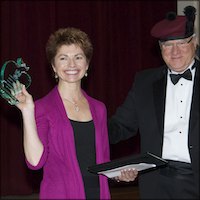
<point x="66" y="131"/>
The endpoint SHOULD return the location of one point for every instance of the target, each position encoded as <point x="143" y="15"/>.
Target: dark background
<point x="120" y="32"/>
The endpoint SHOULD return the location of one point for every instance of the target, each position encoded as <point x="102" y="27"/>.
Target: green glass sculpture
<point x="11" y="72"/>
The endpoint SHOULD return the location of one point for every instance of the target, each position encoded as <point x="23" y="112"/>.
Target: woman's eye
<point x="79" y="57"/>
<point x="63" y="58"/>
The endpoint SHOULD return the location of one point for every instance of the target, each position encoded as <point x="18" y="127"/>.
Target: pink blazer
<point x="61" y="173"/>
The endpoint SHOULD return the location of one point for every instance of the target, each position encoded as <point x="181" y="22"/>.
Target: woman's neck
<point x="70" y="91"/>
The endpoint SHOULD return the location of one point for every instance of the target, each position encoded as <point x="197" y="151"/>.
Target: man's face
<point x="178" y="54"/>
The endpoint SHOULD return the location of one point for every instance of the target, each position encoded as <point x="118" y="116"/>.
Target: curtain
<point x="120" y="33"/>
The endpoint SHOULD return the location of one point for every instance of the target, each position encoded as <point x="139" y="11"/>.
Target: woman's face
<point x="70" y="63"/>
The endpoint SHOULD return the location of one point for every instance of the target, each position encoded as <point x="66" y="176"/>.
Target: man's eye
<point x="182" y="42"/>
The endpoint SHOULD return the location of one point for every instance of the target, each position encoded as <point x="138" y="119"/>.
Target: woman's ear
<point x="54" y="69"/>
<point x="87" y="67"/>
<point x="55" y="73"/>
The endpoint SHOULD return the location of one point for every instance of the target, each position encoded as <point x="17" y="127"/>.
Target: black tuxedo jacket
<point x="144" y="110"/>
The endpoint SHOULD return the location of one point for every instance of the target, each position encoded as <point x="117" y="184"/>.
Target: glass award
<point x="11" y="72"/>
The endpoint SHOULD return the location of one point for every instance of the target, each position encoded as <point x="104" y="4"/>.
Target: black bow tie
<point x="175" y="77"/>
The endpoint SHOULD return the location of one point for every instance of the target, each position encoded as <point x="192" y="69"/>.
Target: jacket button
<point x="190" y="146"/>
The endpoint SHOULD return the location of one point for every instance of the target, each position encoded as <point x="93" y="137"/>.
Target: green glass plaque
<point x="11" y="72"/>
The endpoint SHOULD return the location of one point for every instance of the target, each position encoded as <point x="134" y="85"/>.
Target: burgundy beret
<point x="167" y="29"/>
<point x="175" y="27"/>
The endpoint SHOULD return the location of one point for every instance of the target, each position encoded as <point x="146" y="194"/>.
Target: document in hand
<point x="142" y="163"/>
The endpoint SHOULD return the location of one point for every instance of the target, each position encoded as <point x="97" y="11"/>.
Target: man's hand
<point x="127" y="175"/>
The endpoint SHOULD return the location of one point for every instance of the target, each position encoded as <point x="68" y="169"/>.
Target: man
<point x="163" y="104"/>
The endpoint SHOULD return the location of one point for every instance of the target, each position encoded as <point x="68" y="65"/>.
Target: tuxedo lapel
<point x="159" y="93"/>
<point x="195" y="99"/>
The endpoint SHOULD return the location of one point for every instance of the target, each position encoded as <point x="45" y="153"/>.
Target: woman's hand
<point x="24" y="98"/>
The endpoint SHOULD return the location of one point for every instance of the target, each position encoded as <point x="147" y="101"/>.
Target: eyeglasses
<point x="182" y="43"/>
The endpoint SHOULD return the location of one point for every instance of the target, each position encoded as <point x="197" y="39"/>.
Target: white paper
<point x="117" y="171"/>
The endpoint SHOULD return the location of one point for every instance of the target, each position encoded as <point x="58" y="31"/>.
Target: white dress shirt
<point x="177" y="115"/>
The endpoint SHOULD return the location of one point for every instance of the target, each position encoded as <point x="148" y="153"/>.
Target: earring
<point x="86" y="74"/>
<point x="56" y="75"/>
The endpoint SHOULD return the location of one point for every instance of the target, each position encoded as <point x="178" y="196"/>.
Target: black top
<point x="84" y="135"/>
